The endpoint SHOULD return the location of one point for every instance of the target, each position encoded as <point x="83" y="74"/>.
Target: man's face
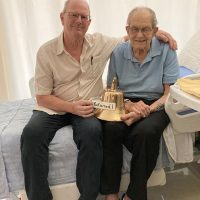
<point x="76" y="18"/>
<point x="140" y="30"/>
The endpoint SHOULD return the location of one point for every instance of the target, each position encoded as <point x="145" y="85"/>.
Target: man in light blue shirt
<point x="158" y="67"/>
<point x="145" y="68"/>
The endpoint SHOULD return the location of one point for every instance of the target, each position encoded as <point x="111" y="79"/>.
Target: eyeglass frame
<point x="75" y="16"/>
<point x="144" y="30"/>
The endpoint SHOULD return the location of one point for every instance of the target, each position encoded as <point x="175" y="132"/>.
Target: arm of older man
<point x="135" y="111"/>
<point x="159" y="104"/>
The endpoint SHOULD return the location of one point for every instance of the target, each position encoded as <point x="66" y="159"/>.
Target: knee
<point x="90" y="132"/>
<point x="113" y="130"/>
<point x="149" y="134"/>
<point x="29" y="133"/>
<point x="93" y="129"/>
<point x="30" y="139"/>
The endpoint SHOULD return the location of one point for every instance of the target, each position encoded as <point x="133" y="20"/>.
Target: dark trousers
<point x="142" y="139"/>
<point x="35" y="140"/>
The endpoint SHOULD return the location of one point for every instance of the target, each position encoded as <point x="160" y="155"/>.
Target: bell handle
<point x="114" y="84"/>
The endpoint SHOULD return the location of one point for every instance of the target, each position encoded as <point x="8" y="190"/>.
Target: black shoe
<point x="122" y="198"/>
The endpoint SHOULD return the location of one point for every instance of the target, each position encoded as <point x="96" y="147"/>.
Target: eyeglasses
<point x="75" y="16"/>
<point x="144" y="31"/>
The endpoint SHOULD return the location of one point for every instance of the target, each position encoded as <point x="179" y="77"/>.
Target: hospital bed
<point x="62" y="156"/>
<point x="63" y="151"/>
<point x="183" y="108"/>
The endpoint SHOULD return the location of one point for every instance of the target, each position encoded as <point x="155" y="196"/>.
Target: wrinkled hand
<point x="166" y="37"/>
<point x="138" y="107"/>
<point x="130" y="118"/>
<point x="83" y="108"/>
<point x="135" y="111"/>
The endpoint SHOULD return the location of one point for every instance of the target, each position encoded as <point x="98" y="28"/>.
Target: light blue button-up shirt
<point x="144" y="80"/>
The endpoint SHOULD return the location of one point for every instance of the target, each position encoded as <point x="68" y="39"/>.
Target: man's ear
<point x="62" y="18"/>
<point x="155" y="30"/>
<point x="127" y="29"/>
<point x="90" y="21"/>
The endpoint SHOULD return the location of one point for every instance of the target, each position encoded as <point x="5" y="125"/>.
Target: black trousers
<point x="35" y="140"/>
<point x="142" y="139"/>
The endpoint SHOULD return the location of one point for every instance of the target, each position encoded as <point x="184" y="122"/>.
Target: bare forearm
<point x="166" y="37"/>
<point x="83" y="108"/>
<point x="158" y="104"/>
<point x="161" y="101"/>
<point x="54" y="103"/>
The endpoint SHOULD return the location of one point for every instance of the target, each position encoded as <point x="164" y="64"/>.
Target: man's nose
<point x="140" y="33"/>
<point x="79" y="18"/>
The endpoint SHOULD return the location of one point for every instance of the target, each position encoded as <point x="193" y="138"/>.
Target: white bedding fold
<point x="6" y="114"/>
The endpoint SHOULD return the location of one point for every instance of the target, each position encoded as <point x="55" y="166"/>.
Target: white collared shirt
<point x="58" y="73"/>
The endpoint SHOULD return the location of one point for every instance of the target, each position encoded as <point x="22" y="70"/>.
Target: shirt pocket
<point x="96" y="67"/>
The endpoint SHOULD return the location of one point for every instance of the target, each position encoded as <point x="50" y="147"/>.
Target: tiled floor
<point x="183" y="183"/>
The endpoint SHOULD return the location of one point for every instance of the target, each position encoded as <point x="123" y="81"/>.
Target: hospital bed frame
<point x="184" y="113"/>
<point x="183" y="109"/>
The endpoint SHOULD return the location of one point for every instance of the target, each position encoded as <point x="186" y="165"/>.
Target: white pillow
<point x="190" y="54"/>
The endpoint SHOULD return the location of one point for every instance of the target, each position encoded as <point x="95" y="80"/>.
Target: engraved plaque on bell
<point x="111" y="105"/>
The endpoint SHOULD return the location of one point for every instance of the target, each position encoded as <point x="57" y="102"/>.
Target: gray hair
<point x="152" y="13"/>
<point x="67" y="3"/>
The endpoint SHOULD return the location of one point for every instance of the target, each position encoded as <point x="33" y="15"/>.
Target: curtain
<point x="26" y="24"/>
<point x="181" y="18"/>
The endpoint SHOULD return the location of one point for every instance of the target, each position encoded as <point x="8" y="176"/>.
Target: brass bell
<point x="112" y="104"/>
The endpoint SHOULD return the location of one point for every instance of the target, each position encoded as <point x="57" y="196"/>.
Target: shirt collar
<point x="89" y="40"/>
<point x="154" y="50"/>
<point x="61" y="48"/>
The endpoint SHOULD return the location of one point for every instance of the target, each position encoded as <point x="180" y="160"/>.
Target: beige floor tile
<point x="183" y="183"/>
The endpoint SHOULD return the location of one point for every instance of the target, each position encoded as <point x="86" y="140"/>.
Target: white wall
<point x="26" y="24"/>
<point x="181" y="18"/>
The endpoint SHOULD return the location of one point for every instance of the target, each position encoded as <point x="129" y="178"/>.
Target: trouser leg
<point x="114" y="133"/>
<point x="35" y="140"/>
<point x="87" y="134"/>
<point x="143" y="141"/>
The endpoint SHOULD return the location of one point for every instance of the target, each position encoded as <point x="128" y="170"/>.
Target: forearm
<point x="161" y="101"/>
<point x="158" y="104"/>
<point x="166" y="37"/>
<point x="54" y="103"/>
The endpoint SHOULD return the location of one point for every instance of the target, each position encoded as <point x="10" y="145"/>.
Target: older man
<point x="145" y="68"/>
<point x="68" y="73"/>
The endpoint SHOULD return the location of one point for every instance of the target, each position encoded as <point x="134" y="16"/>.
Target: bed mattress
<point x="62" y="150"/>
